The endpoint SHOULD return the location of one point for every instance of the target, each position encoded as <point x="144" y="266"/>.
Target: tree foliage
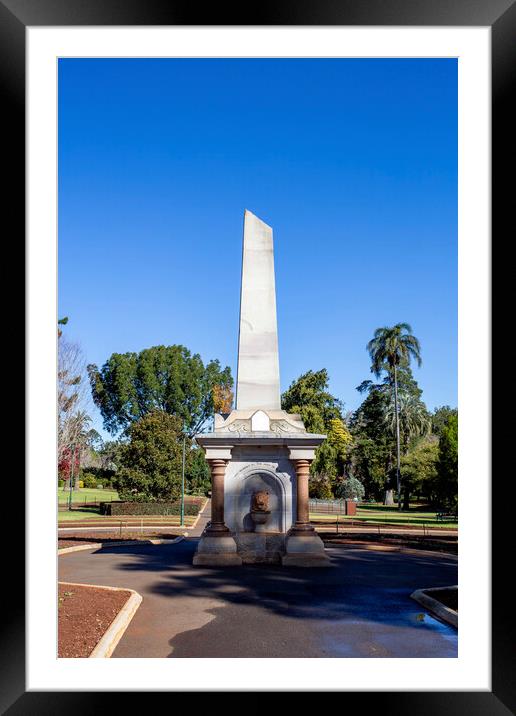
<point x="151" y="459"/>
<point x="440" y="418"/>
<point x="165" y="378"/>
<point x="414" y="419"/>
<point x="331" y="457"/>
<point x="419" y="468"/>
<point x="321" y="413"/>
<point x="319" y="486"/>
<point x="448" y="462"/>
<point x="197" y="472"/>
<point x="349" y="489"/>
<point x="373" y="459"/>
<point x="222" y="398"/>
<point x="393" y="346"/>
<point x="309" y="397"/>
<point x="390" y="349"/>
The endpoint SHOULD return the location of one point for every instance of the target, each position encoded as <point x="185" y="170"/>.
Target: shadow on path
<point x="360" y="606"/>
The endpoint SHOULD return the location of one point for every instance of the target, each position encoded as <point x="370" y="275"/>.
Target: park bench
<point x="446" y="517"/>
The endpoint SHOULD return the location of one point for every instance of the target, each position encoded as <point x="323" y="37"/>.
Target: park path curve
<point x="360" y="607"/>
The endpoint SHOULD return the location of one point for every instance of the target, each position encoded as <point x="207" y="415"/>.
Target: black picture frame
<point x="500" y="16"/>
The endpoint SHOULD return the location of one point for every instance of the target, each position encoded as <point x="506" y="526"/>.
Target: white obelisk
<point x="258" y="385"/>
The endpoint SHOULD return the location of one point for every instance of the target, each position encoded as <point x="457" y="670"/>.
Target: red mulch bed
<point x="72" y="540"/>
<point x="84" y="615"/>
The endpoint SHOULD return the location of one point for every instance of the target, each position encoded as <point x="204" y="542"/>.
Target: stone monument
<point x="259" y="455"/>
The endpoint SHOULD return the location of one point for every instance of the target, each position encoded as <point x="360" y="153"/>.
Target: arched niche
<point x="258" y="478"/>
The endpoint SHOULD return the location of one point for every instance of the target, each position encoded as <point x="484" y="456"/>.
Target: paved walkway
<point x="360" y="607"/>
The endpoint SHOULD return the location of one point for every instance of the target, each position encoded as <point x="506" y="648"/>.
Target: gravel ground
<point x="84" y="615"/>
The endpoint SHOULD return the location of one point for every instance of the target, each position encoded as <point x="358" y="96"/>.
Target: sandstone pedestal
<point x="306" y="551"/>
<point x="217" y="552"/>
<point x="260" y="547"/>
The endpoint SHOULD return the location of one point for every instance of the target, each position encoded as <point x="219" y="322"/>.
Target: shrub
<point x="60" y="483"/>
<point x="350" y="488"/>
<point x="100" y="474"/>
<point x="149" y="508"/>
<point x="89" y="480"/>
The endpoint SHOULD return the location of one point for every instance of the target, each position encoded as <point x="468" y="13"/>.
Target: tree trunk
<point x="78" y="466"/>
<point x="406" y="498"/>
<point x="398" y="459"/>
<point x="71" y="480"/>
<point x="389" y="497"/>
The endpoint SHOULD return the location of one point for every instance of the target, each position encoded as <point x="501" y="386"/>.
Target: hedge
<point x="148" y="508"/>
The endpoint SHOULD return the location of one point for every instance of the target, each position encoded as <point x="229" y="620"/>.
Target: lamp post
<point x="72" y="477"/>
<point x="182" y="523"/>
<point x="185" y="436"/>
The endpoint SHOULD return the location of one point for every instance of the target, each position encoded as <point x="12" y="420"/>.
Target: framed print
<point x="300" y="530"/>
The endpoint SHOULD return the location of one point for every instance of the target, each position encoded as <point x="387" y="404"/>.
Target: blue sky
<point x="353" y="162"/>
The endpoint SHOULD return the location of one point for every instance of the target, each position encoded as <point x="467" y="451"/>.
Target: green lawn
<point x="86" y="495"/>
<point x="78" y="514"/>
<point x="383" y="514"/>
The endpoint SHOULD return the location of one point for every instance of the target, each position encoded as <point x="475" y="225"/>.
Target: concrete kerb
<point x="440" y="610"/>
<point x="121" y="543"/>
<point x="116" y="629"/>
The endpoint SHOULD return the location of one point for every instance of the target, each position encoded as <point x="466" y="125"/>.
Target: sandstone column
<point x="302" y="525"/>
<point x="217" y="546"/>
<point x="304" y="547"/>
<point x="217" y="526"/>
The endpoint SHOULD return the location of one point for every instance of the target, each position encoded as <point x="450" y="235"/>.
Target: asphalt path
<point x="359" y="607"/>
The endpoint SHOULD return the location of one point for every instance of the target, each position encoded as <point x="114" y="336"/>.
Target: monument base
<point x="305" y="551"/>
<point x="260" y="547"/>
<point x="217" y="552"/>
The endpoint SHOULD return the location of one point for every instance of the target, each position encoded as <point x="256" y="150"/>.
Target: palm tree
<point x="414" y="419"/>
<point x="389" y="348"/>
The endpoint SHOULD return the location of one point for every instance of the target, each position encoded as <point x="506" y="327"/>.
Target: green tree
<point x="413" y="417"/>
<point x="197" y="473"/>
<point x="332" y="456"/>
<point x="319" y="486"/>
<point x="372" y="456"/>
<point x="309" y="397"/>
<point x="370" y="465"/>
<point x="389" y="349"/>
<point x="419" y="468"/>
<point x="165" y="378"/>
<point x="321" y="413"/>
<point x="151" y="459"/>
<point x="448" y="463"/>
<point x="109" y="455"/>
<point x="440" y="418"/>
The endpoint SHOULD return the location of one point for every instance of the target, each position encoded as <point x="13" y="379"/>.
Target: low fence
<point x="86" y="502"/>
<point x="349" y="527"/>
<point x="332" y="507"/>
